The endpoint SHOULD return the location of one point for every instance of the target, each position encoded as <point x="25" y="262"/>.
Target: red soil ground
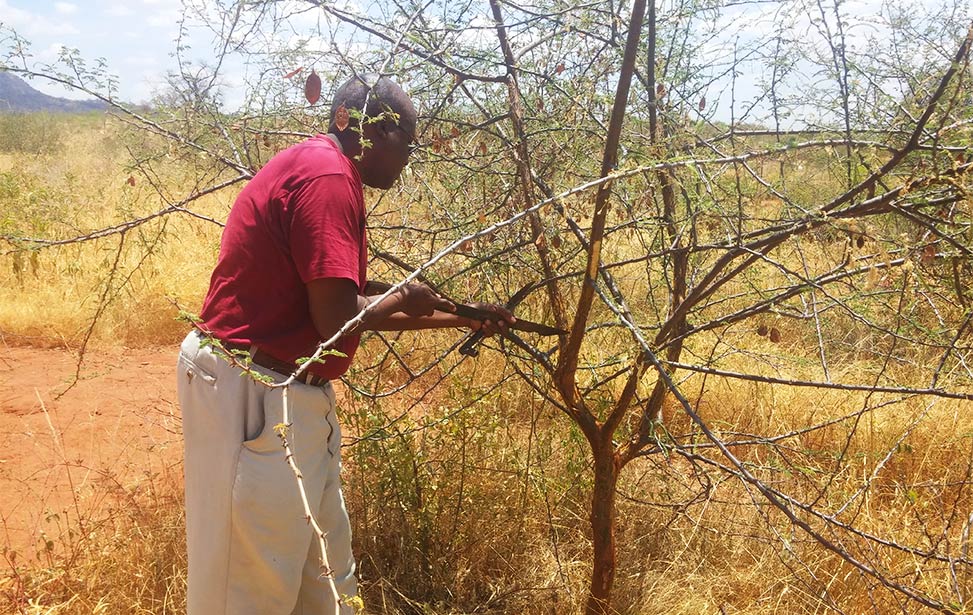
<point x="70" y="453"/>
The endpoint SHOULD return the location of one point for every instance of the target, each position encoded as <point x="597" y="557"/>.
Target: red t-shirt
<point x="301" y="218"/>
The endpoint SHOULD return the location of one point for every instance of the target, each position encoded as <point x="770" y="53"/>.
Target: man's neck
<point x="334" y="139"/>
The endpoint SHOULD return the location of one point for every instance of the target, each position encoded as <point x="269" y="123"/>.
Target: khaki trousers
<point x="251" y="549"/>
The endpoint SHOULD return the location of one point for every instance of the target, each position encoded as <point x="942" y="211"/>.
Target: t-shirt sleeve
<point x="326" y="229"/>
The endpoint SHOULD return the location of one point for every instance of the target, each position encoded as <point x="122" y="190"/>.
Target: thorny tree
<point x="697" y="193"/>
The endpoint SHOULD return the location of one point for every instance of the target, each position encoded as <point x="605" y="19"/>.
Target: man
<point x="290" y="273"/>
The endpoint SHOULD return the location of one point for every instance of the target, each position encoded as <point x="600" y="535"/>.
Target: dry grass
<point x="52" y="296"/>
<point x="463" y="507"/>
<point x="133" y="561"/>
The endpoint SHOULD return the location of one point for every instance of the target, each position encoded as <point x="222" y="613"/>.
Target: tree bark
<point x="603" y="530"/>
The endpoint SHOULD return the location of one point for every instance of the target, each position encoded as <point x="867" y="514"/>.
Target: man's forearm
<point x="379" y="313"/>
<point x="400" y="321"/>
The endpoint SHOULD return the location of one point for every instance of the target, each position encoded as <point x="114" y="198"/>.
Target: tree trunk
<point x="603" y="531"/>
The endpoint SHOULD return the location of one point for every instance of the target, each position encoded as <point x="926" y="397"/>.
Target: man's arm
<point x="335" y="301"/>
<point x="502" y="317"/>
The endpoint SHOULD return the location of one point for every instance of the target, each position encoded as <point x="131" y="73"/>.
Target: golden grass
<point x="132" y="561"/>
<point x="53" y="295"/>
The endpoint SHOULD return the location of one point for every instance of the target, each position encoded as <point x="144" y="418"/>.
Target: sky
<point x="135" y="37"/>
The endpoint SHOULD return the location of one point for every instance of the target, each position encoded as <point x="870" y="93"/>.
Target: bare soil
<point x="71" y="453"/>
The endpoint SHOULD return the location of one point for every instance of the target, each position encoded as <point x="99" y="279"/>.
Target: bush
<point x="31" y="133"/>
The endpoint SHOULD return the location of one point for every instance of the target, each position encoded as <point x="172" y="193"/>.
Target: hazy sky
<point x="134" y="36"/>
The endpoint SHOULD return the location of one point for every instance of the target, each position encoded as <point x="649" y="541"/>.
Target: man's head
<point x="388" y="126"/>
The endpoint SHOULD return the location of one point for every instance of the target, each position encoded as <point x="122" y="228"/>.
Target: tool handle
<point x="469" y="347"/>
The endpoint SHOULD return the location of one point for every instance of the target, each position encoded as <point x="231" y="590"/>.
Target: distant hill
<point x="17" y="96"/>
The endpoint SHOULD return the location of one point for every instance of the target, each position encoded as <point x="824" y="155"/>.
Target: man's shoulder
<point x="309" y="159"/>
<point x="318" y="147"/>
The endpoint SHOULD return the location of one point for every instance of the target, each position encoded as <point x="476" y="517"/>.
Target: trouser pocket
<point x="270" y="533"/>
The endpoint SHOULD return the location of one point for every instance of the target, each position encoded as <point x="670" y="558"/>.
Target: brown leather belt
<point x="285" y="369"/>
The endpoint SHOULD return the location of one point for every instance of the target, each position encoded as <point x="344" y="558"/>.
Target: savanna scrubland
<point x="762" y="403"/>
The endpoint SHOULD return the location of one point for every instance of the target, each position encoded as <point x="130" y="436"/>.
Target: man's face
<point x="391" y="143"/>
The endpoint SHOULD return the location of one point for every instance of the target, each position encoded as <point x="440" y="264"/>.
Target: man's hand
<point x="420" y="300"/>
<point x="503" y="319"/>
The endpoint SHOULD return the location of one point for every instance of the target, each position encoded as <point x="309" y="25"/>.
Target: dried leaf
<point x="928" y="255"/>
<point x="556" y="242"/>
<point x="483" y="148"/>
<point x="131" y="180"/>
<point x="762" y="330"/>
<point x="312" y="88"/>
<point x="873" y="278"/>
<point x="454" y="132"/>
<point x="482" y="218"/>
<point x="774" y="335"/>
<point x="466" y="246"/>
<point x="660" y="90"/>
<point x="702" y="103"/>
<point x="559" y="68"/>
<point x="341" y="118"/>
<point x="860" y="241"/>
<point x="541" y="241"/>
<point x="293" y="72"/>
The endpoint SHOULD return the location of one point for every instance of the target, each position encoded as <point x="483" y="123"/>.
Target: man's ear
<point x="376" y="131"/>
<point x="385" y="128"/>
<point x="368" y="132"/>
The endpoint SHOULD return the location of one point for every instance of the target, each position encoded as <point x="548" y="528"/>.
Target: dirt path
<point x="114" y="435"/>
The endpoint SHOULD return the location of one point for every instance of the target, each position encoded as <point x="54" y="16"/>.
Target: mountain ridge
<point x="17" y="96"/>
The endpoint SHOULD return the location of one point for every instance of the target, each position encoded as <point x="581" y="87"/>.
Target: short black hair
<point x="374" y="95"/>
